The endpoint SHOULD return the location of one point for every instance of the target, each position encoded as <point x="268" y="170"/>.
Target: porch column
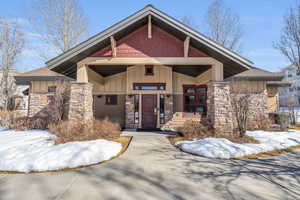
<point x="218" y="107"/>
<point x="81" y="101"/>
<point x="217" y="72"/>
<point x="82" y="73"/>
<point x="129" y="112"/>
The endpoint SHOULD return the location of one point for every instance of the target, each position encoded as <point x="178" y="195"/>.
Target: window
<point x="162" y="109"/>
<point x="290" y="75"/>
<point x="50" y="99"/>
<point x="194" y="98"/>
<point x="111" y="99"/>
<point x="149" y="70"/>
<point x="149" y="86"/>
<point x="291" y="89"/>
<point x="136" y="108"/>
<point x="51" y="88"/>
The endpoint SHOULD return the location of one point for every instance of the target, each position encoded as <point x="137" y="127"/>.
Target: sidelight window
<point x="162" y="109"/>
<point x="194" y="98"/>
<point x="136" y="108"/>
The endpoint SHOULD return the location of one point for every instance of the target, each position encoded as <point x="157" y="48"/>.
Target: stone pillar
<point x="129" y="113"/>
<point x="219" y="108"/>
<point x="81" y="101"/>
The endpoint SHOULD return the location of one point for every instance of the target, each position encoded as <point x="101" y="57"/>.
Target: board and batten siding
<point x="161" y="74"/>
<point x="272" y="100"/>
<point x="41" y="86"/>
<point x="115" y="84"/>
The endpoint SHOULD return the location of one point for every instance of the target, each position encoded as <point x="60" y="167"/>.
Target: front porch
<point x="151" y="92"/>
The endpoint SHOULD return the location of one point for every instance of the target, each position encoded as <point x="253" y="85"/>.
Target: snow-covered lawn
<point x="26" y="151"/>
<point x="223" y="148"/>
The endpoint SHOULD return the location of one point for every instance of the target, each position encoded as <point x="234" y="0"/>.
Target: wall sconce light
<point x="168" y="95"/>
<point x="130" y="95"/>
<point x="99" y="96"/>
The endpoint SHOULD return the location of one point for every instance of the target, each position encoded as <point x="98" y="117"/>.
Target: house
<point x="290" y="95"/>
<point x="148" y="71"/>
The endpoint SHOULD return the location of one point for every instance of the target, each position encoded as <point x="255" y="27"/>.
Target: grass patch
<point x="124" y="140"/>
<point x="268" y="153"/>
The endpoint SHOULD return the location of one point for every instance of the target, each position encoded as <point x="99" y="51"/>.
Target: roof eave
<point x="149" y="10"/>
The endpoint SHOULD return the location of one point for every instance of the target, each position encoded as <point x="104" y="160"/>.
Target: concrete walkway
<point x="151" y="168"/>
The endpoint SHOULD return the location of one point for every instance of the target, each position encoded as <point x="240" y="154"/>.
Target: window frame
<point x="52" y="89"/>
<point x="157" y="85"/>
<point x="114" y="100"/>
<point x="151" y="68"/>
<point x="196" y="95"/>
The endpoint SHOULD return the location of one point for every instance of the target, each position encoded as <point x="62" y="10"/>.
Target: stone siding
<point x="81" y="101"/>
<point x="219" y="107"/>
<point x="129" y="113"/>
<point x="39" y="105"/>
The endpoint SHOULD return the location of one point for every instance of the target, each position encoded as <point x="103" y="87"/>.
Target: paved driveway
<point x="153" y="169"/>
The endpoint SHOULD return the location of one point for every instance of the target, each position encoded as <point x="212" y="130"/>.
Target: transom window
<point x="194" y="99"/>
<point x="149" y="86"/>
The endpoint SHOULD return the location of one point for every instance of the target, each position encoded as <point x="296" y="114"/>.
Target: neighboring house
<point x="290" y="95"/>
<point x="20" y="96"/>
<point x="149" y="71"/>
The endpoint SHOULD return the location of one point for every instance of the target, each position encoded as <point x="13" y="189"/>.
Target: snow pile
<point x="34" y="150"/>
<point x="223" y="148"/>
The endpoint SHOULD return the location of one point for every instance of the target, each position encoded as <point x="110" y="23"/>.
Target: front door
<point x="149" y="110"/>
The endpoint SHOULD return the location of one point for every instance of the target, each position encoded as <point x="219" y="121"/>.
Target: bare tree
<point x="224" y="26"/>
<point x="61" y="24"/>
<point x="11" y="46"/>
<point x="240" y="99"/>
<point x="289" y="42"/>
<point x="187" y="20"/>
<point x="60" y="101"/>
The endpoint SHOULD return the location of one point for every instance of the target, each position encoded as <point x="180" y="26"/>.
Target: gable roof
<point x="256" y="74"/>
<point x="68" y="59"/>
<point x="40" y="74"/>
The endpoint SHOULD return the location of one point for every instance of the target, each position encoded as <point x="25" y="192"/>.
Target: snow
<point x="35" y="150"/>
<point x="223" y="148"/>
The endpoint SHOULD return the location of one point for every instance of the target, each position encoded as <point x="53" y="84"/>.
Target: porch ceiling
<point x="190" y="70"/>
<point x="108" y="70"/>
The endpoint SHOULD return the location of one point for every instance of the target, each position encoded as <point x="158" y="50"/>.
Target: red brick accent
<point x="137" y="44"/>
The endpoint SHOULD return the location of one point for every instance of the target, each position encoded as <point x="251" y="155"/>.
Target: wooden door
<point x="149" y="111"/>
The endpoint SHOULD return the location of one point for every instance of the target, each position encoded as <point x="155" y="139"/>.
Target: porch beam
<point x="93" y="76"/>
<point x="149" y="27"/>
<point x="113" y="46"/>
<point x="151" y="61"/>
<point x="186" y="46"/>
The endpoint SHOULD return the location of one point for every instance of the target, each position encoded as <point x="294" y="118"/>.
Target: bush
<point x="8" y="118"/>
<point x="28" y="123"/>
<point x="69" y="131"/>
<point x="260" y="122"/>
<point x="196" y="130"/>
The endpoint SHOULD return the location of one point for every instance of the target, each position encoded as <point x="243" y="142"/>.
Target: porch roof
<point x="256" y="74"/>
<point x="40" y="74"/>
<point x="66" y="62"/>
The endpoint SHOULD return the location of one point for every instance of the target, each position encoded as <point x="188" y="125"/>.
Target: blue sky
<point x="262" y="22"/>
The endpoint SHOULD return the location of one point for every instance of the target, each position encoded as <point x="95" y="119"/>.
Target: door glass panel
<point x="201" y="100"/>
<point x="189" y="99"/>
<point x="189" y="109"/>
<point x="201" y="90"/>
<point x="200" y="109"/>
<point x="190" y="90"/>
